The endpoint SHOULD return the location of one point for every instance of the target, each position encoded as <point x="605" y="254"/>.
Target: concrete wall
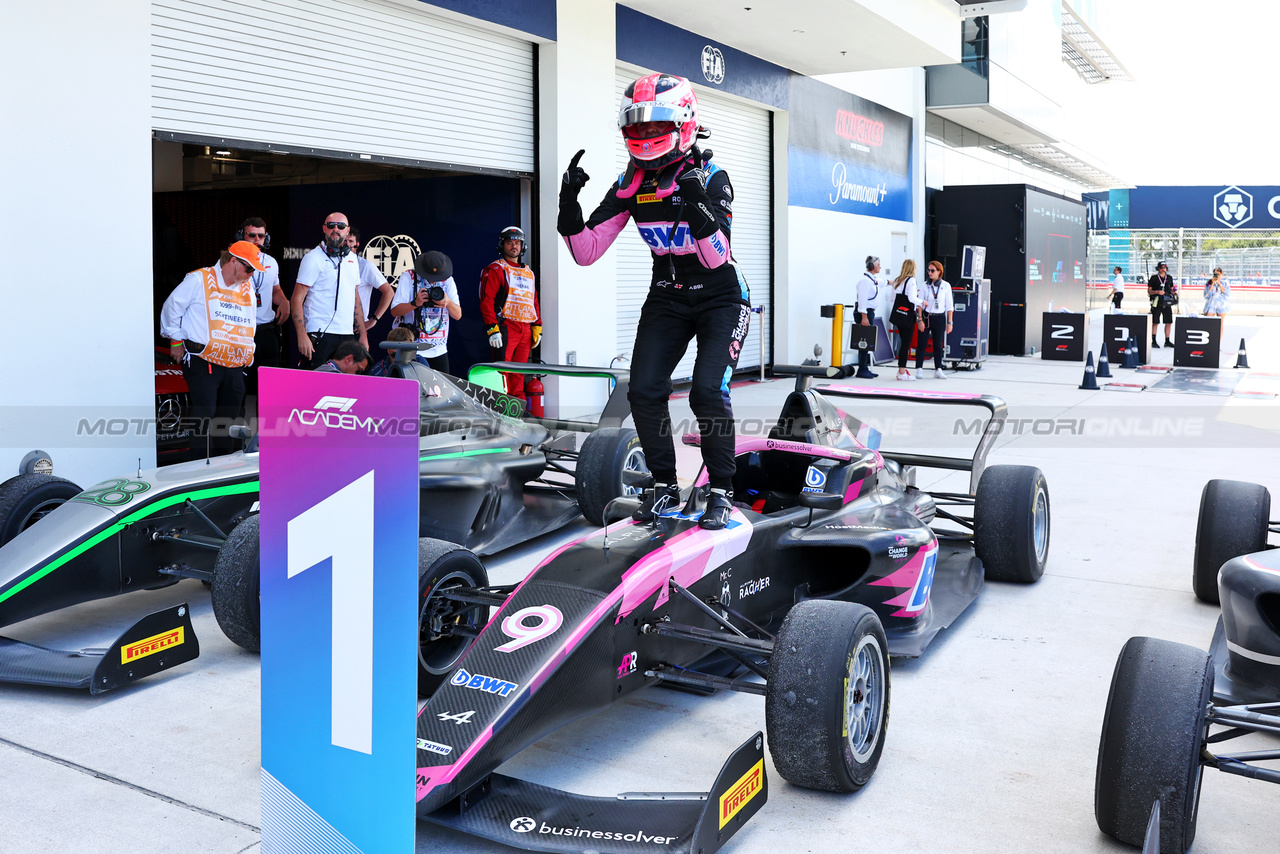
<point x="75" y="159"/>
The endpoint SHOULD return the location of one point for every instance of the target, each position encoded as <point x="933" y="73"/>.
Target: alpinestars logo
<point x="334" y="413"/>
<point x="1233" y="207"/>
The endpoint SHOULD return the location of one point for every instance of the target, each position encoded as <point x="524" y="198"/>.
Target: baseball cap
<point x="433" y="266"/>
<point x="248" y="253"/>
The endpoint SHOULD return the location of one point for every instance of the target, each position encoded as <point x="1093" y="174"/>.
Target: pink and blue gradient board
<point x="339" y="554"/>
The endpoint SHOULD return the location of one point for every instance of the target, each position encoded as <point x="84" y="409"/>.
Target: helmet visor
<point x="651" y="111"/>
<point x="648" y="130"/>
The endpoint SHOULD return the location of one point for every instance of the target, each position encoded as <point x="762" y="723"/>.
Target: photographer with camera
<point x="1164" y="296"/>
<point x="426" y="300"/>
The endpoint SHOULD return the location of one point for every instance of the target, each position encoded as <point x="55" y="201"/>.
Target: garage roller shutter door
<point x="740" y="142"/>
<point x="365" y="77"/>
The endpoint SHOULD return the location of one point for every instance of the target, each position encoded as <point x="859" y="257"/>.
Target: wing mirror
<point x="821" y="500"/>
<point x="619" y="509"/>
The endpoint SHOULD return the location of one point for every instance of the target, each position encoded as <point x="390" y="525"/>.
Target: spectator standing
<point x="210" y="320"/>
<point x="868" y="292"/>
<point x="351" y="357"/>
<point x="509" y="306"/>
<point x="937" y="307"/>
<point x="1117" y="291"/>
<point x="428" y="318"/>
<point x="906" y="306"/>
<point x="269" y="299"/>
<point x="682" y="204"/>
<point x="1164" y="296"/>
<point x="326" y="306"/>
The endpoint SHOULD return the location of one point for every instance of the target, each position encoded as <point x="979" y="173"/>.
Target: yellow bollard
<point x="837" y="337"/>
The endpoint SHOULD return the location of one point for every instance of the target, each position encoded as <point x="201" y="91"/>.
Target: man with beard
<point x="326" y="305"/>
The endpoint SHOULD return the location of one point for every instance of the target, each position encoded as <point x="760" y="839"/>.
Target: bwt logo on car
<point x="334" y="412"/>
<point x="480" y="682"/>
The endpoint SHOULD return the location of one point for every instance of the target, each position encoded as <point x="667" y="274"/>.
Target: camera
<point x="435" y="294"/>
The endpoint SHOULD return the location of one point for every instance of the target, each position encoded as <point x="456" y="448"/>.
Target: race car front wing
<point x="538" y="818"/>
<point x="157" y="642"/>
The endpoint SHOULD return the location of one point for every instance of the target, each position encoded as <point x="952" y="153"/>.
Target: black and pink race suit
<point x="696" y="291"/>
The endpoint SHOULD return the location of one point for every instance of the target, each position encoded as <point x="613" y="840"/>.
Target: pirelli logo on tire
<point x="740" y="793"/>
<point x="152" y="645"/>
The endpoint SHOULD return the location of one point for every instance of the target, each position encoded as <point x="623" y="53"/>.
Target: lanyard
<point x="934" y="303"/>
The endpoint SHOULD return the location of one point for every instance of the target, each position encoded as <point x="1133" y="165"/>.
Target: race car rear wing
<point x="159" y="641"/>
<point x="537" y="818"/>
<point x="616" y="409"/>
<point x="996" y="408"/>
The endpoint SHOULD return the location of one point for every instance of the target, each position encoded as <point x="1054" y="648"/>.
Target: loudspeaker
<point x="948" y="240"/>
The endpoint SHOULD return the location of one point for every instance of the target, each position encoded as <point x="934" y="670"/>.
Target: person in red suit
<point x="509" y="306"/>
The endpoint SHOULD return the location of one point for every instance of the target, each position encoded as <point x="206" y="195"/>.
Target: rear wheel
<point x="1011" y="523"/>
<point x="441" y="566"/>
<point x="28" y="498"/>
<point x="235" y="587"/>
<point x="1153" y="733"/>
<point x="610" y="465"/>
<point x="827" y="700"/>
<point x="1234" y="520"/>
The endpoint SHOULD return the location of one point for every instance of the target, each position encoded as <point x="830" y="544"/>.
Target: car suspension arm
<point x="706" y="680"/>
<point x="477" y="595"/>
<point x="218" y="532"/>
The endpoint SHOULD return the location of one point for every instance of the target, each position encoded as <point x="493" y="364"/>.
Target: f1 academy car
<point x="831" y="562"/>
<point x="488" y="480"/>
<point x="1166" y="698"/>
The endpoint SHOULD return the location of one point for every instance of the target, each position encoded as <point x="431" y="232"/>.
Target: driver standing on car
<point x="210" y="318"/>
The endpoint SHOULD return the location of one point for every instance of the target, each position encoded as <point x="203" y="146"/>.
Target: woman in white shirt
<point x="937" y="307"/>
<point x="906" y="306"/>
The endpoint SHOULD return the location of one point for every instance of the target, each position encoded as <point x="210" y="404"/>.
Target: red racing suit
<point x="509" y="301"/>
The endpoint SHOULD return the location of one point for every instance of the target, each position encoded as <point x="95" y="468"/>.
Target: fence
<point x="1250" y="262"/>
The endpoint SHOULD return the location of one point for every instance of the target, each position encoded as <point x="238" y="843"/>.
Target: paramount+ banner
<point x="846" y="153"/>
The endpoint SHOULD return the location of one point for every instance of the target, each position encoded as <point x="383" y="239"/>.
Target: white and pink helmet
<point x="658" y="120"/>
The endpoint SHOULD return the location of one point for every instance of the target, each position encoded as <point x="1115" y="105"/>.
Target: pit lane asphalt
<point x="993" y="734"/>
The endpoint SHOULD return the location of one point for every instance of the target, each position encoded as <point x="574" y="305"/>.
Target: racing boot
<point x="719" y="506"/>
<point x="658" y="498"/>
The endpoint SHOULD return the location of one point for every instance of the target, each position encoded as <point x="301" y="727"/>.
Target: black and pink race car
<point x="832" y="561"/>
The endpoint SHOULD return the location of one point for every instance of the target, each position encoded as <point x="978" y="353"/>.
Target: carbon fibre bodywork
<point x="488" y="481"/>
<point x="631" y="605"/>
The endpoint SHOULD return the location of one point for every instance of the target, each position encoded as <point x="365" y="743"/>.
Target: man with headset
<point x="269" y="299"/>
<point x="509" y="306"/>
<point x="326" y="307"/>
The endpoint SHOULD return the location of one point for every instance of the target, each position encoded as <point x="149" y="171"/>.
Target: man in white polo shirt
<point x="273" y="306"/>
<point x="326" y="308"/>
<point x="210" y="319"/>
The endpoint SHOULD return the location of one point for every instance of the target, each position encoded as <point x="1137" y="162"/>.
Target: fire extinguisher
<point x="533" y="390"/>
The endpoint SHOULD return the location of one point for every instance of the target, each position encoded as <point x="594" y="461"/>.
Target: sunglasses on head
<point x="337" y="225"/>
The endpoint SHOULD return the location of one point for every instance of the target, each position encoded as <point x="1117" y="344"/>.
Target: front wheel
<point x="28" y="498"/>
<point x="610" y="465"/>
<point x="442" y="566"/>
<point x="1234" y="521"/>
<point x="1011" y="523"/>
<point x="827" y="701"/>
<point x="235" y="587"/>
<point x="1153" y="733"/>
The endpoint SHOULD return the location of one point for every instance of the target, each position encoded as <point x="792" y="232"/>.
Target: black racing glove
<point x="575" y="178"/>
<point x="697" y="204"/>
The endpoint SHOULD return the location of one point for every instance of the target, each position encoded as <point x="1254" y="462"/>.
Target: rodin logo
<point x="391" y="255"/>
<point x="713" y="64"/>
<point x="1233" y="207"/>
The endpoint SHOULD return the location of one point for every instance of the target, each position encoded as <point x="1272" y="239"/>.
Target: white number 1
<point x="341" y="527"/>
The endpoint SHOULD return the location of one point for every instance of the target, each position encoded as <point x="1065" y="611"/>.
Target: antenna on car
<point x="139" y="468"/>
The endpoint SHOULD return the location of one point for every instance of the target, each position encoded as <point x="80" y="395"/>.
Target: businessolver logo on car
<point x="525" y="824"/>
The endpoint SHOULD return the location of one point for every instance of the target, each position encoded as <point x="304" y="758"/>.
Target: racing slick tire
<point x="1152" y="735"/>
<point x="1011" y="523"/>
<point x="442" y="565"/>
<point x="1234" y="521"/>
<point x="606" y="455"/>
<point x="235" y="587"/>
<point x="28" y="498"/>
<point x="826" y="704"/>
